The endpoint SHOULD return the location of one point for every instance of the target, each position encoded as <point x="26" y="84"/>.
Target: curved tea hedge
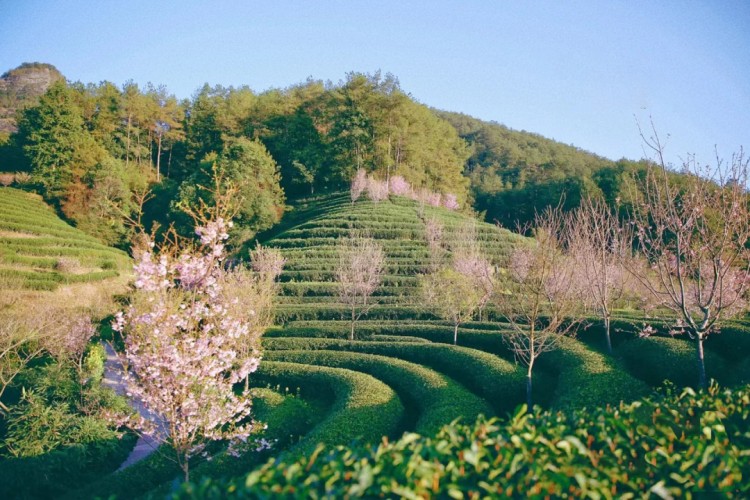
<point x="362" y="407"/>
<point x="436" y="399"/>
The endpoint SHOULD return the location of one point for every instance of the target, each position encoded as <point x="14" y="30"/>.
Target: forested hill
<point x="515" y="173"/>
<point x="92" y="149"/>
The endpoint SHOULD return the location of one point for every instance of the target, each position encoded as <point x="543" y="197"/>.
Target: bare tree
<point x="543" y="302"/>
<point x="694" y="232"/>
<point x="599" y="243"/>
<point x="19" y="345"/>
<point x="358" y="274"/>
<point x="451" y="295"/>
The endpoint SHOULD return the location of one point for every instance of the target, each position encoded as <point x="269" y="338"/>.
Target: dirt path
<point x="113" y="379"/>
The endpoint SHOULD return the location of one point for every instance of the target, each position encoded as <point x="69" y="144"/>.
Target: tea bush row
<point x="362" y="407"/>
<point x="497" y="381"/>
<point x="666" y="446"/>
<point x="434" y="398"/>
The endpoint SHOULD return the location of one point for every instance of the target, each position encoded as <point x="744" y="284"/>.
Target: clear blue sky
<point x="577" y="71"/>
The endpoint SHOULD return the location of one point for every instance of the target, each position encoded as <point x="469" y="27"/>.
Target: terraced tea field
<point x="402" y="372"/>
<point x="408" y="351"/>
<point x="39" y="251"/>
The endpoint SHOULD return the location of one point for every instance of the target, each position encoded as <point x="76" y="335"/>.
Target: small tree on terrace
<point x="451" y="295"/>
<point x="470" y="261"/>
<point x="598" y="243"/>
<point x="358" y="274"/>
<point x="543" y="301"/>
<point x="359" y="184"/>
<point x="695" y="239"/>
<point x="182" y="331"/>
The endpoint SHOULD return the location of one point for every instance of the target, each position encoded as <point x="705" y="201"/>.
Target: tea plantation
<point x="594" y="435"/>
<point x="39" y="251"/>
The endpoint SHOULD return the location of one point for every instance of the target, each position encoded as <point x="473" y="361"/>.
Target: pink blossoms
<point x="181" y="343"/>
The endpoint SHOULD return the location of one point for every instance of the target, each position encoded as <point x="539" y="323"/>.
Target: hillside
<point x="39" y="251"/>
<point x="313" y="326"/>
<point x="403" y="373"/>
<point x="515" y="173"/>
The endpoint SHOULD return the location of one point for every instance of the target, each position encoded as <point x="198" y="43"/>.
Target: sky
<point x="584" y="73"/>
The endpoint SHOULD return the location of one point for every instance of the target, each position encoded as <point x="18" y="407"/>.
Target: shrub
<point x="667" y="446"/>
<point x="435" y="399"/>
<point x="496" y="380"/>
<point x="363" y="407"/>
<point x="658" y="359"/>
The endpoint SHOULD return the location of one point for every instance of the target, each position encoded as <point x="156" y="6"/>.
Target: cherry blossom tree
<point x="399" y="186"/>
<point x="68" y="339"/>
<point x="181" y="331"/>
<point x="695" y="236"/>
<point x="377" y="190"/>
<point x="358" y="275"/>
<point x="599" y="243"/>
<point x="542" y="302"/>
<point x="451" y="202"/>
<point x="359" y="184"/>
<point x="434" y="235"/>
<point x="451" y="295"/>
<point x="470" y="261"/>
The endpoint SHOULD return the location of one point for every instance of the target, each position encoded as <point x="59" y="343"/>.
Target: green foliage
<point x="658" y="359"/>
<point x="37" y="426"/>
<point x="62" y="471"/>
<point x="247" y="166"/>
<point x="39" y="251"/>
<point x="363" y="407"/>
<point x="435" y="399"/>
<point x="587" y="378"/>
<point x="515" y="174"/>
<point x="671" y="445"/>
<point x="496" y="380"/>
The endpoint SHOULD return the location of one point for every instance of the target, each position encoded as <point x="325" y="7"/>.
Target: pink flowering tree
<point x="69" y="339"/>
<point x="600" y="244"/>
<point x="181" y="331"/>
<point x="359" y="184"/>
<point x="377" y="190"/>
<point x="542" y="298"/>
<point x="358" y="275"/>
<point x="399" y="186"/>
<point x="451" y="202"/>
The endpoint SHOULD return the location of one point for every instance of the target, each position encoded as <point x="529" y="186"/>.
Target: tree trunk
<point x="127" y="147"/>
<point x="702" y="381"/>
<point x="158" y="161"/>
<point x="529" y="403"/>
<point x="169" y="161"/>
<point x="351" y="333"/>
<point x="455" y="334"/>
<point x="607" y="324"/>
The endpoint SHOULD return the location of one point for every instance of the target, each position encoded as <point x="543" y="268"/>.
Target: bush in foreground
<point x="667" y="446"/>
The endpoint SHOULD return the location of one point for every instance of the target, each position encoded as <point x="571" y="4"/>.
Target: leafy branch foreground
<point x="666" y="446"/>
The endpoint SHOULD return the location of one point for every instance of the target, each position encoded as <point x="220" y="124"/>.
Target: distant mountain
<point x="21" y="87"/>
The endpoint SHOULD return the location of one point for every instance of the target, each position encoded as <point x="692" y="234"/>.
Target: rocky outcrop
<point x="21" y="87"/>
